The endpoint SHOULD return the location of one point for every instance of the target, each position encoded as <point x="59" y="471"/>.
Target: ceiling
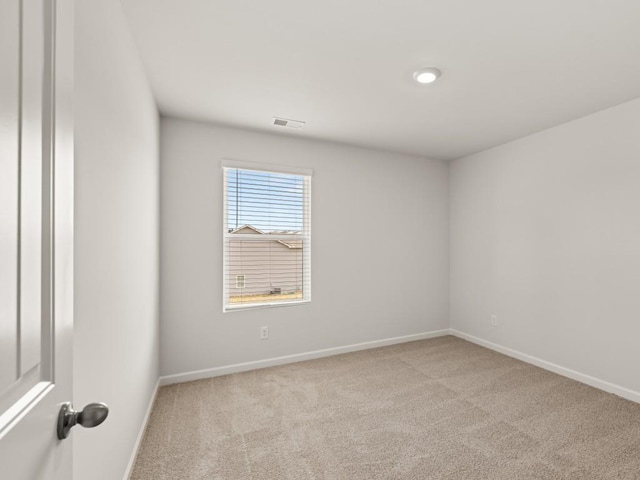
<point x="509" y="68"/>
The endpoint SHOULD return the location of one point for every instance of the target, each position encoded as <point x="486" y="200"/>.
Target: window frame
<point x="305" y="236"/>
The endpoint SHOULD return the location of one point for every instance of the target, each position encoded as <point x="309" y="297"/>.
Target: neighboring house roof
<point x="293" y="244"/>
<point x="251" y="227"/>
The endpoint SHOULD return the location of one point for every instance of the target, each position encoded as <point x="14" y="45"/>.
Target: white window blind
<point x="267" y="236"/>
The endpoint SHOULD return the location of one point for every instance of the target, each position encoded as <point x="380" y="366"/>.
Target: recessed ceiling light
<point x="426" y="75"/>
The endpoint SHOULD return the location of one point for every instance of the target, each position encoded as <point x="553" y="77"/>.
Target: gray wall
<point x="364" y="202"/>
<point x="116" y="224"/>
<point x="545" y="233"/>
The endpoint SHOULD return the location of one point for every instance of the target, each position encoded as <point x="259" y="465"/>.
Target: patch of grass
<point x="265" y="298"/>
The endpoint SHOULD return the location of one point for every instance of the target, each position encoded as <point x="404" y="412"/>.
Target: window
<point x="267" y="235"/>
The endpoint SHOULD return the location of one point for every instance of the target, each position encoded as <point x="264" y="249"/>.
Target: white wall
<point x="116" y="256"/>
<point x="545" y="233"/>
<point x="379" y="248"/>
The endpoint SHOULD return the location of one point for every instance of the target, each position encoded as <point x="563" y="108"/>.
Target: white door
<point x="36" y="235"/>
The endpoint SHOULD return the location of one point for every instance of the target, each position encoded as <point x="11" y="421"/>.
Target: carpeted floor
<point x="433" y="409"/>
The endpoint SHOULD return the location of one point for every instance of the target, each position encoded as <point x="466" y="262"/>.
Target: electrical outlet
<point x="264" y="332"/>
<point x="494" y="320"/>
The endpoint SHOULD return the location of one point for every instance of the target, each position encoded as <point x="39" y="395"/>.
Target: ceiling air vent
<point x="285" y="122"/>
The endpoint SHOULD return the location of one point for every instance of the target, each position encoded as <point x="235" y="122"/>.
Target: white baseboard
<point x="552" y="367"/>
<point x="298" y="357"/>
<point x="136" y="446"/>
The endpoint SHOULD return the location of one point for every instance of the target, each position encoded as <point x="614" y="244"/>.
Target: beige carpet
<point x="433" y="409"/>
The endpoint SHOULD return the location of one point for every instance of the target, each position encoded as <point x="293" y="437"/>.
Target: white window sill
<point x="257" y="306"/>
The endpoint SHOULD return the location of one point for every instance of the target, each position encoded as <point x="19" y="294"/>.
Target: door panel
<point x="31" y="159"/>
<point x="9" y="128"/>
<point x="23" y="218"/>
<point x="36" y="235"/>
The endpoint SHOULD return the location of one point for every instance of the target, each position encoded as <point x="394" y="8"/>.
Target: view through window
<point x="266" y="237"/>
